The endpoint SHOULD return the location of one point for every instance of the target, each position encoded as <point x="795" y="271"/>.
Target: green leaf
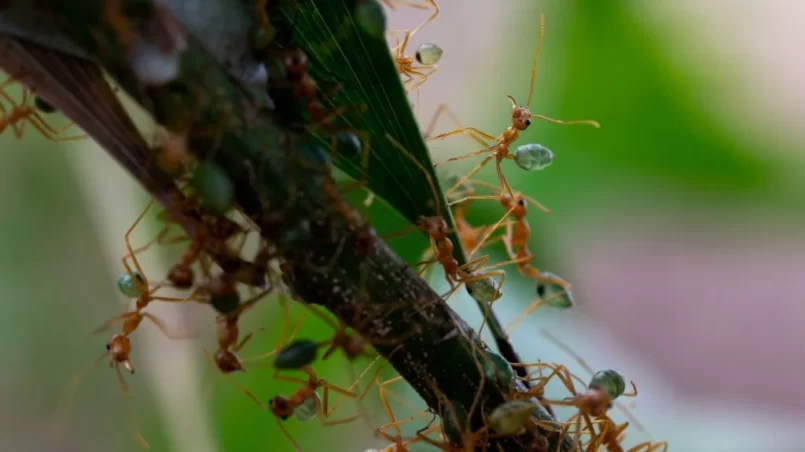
<point x="362" y="64"/>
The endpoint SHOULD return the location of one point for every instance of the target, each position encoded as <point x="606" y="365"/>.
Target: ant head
<point x="227" y="361"/>
<point x="296" y="61"/>
<point x="521" y="117"/>
<point x="433" y="226"/>
<point x="517" y="205"/>
<point x="119" y="348"/>
<point x="280" y="407"/>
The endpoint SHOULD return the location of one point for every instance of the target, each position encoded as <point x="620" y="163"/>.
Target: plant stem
<point x="282" y="183"/>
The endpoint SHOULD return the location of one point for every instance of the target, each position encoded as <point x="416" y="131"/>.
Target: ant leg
<point x="246" y="305"/>
<point x="348" y="393"/>
<point x="536" y="304"/>
<point x="287" y="434"/>
<point x="400" y="48"/>
<point x="130" y="408"/>
<point x="477" y="168"/>
<point x="279" y="345"/>
<point x="504" y="184"/>
<point x="142" y="282"/>
<point x="49" y="132"/>
<point x="164" y="328"/>
<point x="479" y="137"/>
<point x="114" y="320"/>
<point x="389" y="412"/>
<point x="509" y="233"/>
<point x="429" y="19"/>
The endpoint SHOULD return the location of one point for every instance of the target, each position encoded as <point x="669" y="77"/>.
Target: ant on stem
<point x="229" y="341"/>
<point x="599" y="396"/>
<point x="306" y="404"/>
<point x="521" y="118"/>
<point x="436" y="228"/>
<point x="118" y="349"/>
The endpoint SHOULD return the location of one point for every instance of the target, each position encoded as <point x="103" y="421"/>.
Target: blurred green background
<point x="674" y="169"/>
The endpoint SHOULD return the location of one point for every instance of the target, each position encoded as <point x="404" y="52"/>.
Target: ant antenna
<point x="540" y="40"/>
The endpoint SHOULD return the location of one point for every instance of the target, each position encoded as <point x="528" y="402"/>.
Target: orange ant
<point x="25" y="113"/>
<point x="436" y="228"/>
<point x="305" y="403"/>
<point x="305" y="90"/>
<point x="405" y="64"/>
<point x="118" y="349"/>
<point x="181" y="275"/>
<point x="516" y="238"/>
<point x="229" y="341"/>
<point x="595" y="401"/>
<point x="120" y="345"/>
<point x="299" y="403"/>
<point x="521" y="118"/>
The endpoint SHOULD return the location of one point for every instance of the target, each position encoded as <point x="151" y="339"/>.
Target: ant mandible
<point x="521" y="118"/>
<point x="23" y="114"/>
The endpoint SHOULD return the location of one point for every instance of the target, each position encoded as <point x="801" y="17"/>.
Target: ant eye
<point x="108" y="346"/>
<point x="521" y="202"/>
<point x="527" y="122"/>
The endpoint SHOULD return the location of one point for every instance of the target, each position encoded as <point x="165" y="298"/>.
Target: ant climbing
<point x="299" y="87"/>
<point x="229" y="342"/>
<point x="306" y="403"/>
<point x="24" y="113"/>
<point x="427" y="56"/>
<point x="219" y="229"/>
<point x="118" y="349"/>
<point x="120" y="345"/>
<point x="515" y="239"/>
<point x="604" y="388"/>
<point x="436" y="228"/>
<point x="521" y="118"/>
<point x="474" y="238"/>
